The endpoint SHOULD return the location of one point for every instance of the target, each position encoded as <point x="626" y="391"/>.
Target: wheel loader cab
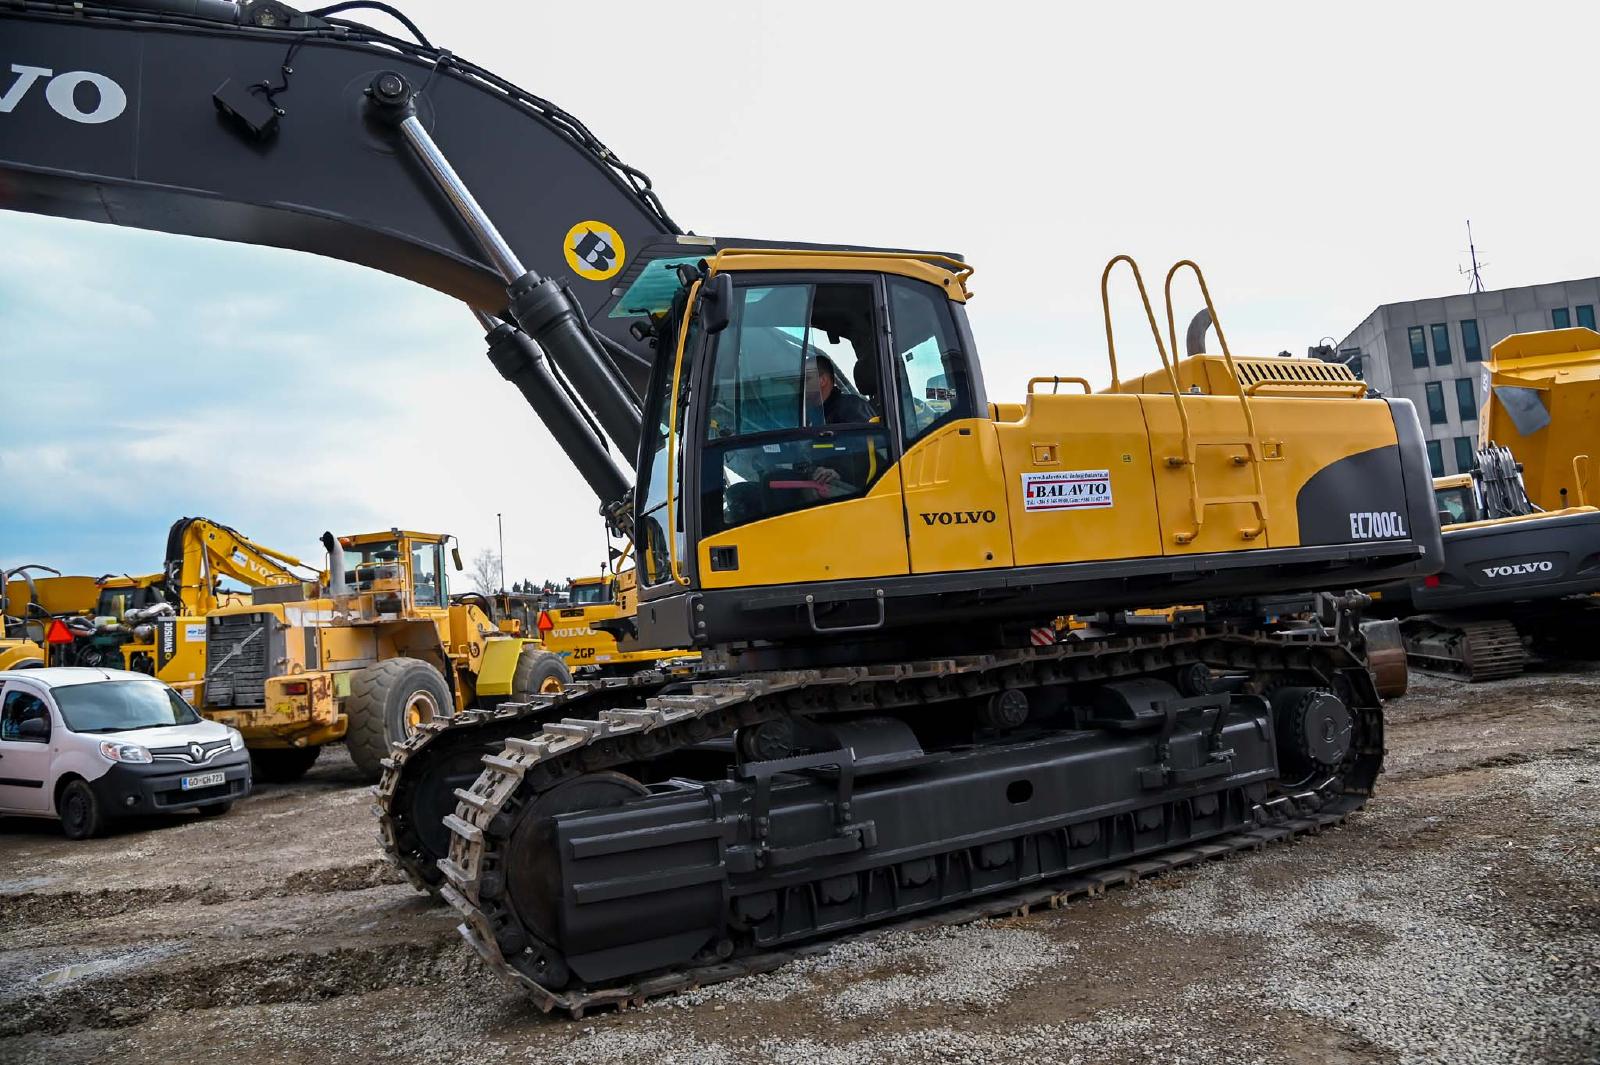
<point x="838" y="468"/>
<point x="396" y="562"/>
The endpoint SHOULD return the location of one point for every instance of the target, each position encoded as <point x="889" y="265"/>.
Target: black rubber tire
<point x="216" y="809"/>
<point x="81" y="815"/>
<point x="534" y="668"/>
<point x="281" y="765"/>
<point x="377" y="708"/>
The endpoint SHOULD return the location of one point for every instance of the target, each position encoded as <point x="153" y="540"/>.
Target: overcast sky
<point x="1317" y="162"/>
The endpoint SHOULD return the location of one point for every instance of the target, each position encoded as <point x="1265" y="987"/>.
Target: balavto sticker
<point x="594" y="250"/>
<point x="1066" y="490"/>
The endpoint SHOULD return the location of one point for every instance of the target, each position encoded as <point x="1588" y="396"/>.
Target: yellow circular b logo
<point x="594" y="250"/>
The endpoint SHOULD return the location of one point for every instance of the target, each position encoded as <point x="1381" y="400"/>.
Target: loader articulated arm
<point x="199" y="551"/>
<point x="260" y="124"/>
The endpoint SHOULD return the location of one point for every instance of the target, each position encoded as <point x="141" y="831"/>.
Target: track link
<point x="1476" y="650"/>
<point x="563" y="747"/>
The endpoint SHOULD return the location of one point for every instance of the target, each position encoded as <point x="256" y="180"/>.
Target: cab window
<point x="930" y="367"/>
<point x="1456" y="503"/>
<point x="425" y="574"/>
<point x="795" y="414"/>
<point x="654" y="524"/>
<point x="19" y="706"/>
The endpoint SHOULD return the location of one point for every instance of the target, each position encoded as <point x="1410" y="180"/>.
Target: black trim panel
<point x="18" y="782"/>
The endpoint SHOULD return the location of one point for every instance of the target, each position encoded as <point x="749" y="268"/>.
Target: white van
<point x="88" y="745"/>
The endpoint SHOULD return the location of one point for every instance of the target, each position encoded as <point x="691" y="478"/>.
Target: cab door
<point x="25" y="753"/>
<point x="951" y="474"/>
<point x="797" y="480"/>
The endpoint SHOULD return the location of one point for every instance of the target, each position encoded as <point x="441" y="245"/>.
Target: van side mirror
<point x="455" y="557"/>
<point x="35" y="728"/>
<point x="716" y="303"/>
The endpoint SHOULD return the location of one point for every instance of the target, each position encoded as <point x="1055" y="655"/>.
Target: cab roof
<point x="392" y="534"/>
<point x="67" y="676"/>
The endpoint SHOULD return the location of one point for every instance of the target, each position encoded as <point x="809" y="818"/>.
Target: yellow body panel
<point x="16" y="654"/>
<point x="853" y="538"/>
<point x="955" y="507"/>
<point x="57" y="595"/>
<point x="1056" y="433"/>
<point x="497" y="665"/>
<point x="1563" y="367"/>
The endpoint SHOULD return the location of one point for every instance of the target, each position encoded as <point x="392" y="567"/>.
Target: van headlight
<point x="235" y="738"/>
<point x="124" y="752"/>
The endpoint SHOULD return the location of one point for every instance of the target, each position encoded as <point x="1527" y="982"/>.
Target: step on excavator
<point x="1521" y="569"/>
<point x="824" y="502"/>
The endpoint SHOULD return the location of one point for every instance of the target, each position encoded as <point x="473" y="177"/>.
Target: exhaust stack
<point x="336" y="582"/>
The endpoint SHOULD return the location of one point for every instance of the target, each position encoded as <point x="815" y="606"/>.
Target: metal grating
<point x="237" y="659"/>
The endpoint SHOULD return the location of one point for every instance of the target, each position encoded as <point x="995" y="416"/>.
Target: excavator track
<point x="1476" y="650"/>
<point x="556" y="746"/>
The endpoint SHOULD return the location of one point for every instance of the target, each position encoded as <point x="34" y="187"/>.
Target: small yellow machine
<point x="368" y="656"/>
<point x="28" y="605"/>
<point x="573" y="630"/>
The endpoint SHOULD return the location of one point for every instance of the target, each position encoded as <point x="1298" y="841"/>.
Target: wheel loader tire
<point x="538" y="671"/>
<point x="281" y="765"/>
<point x="387" y="702"/>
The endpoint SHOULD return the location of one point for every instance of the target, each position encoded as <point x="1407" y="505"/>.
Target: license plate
<point x="204" y="780"/>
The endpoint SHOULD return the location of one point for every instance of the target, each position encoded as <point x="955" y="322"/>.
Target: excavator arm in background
<point x="201" y="551"/>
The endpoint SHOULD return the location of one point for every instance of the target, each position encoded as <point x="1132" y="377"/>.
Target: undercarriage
<point x="635" y="837"/>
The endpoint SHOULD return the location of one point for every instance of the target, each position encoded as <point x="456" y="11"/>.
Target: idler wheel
<point x="1315" y="729"/>
<point x="533" y="866"/>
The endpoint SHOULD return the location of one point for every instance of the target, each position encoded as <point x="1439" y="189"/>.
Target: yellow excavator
<point x="577" y="628"/>
<point x="156" y="623"/>
<point x="1521" y="566"/>
<point x="824" y="502"/>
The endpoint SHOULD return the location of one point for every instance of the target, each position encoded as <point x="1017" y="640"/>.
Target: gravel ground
<point x="1456" y="920"/>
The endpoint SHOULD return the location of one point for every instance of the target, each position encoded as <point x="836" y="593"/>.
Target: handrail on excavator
<point x="1253" y="444"/>
<point x="1580" y="478"/>
<point x="1056" y="383"/>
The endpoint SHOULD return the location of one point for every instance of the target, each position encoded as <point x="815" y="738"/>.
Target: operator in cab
<point x="839" y="407"/>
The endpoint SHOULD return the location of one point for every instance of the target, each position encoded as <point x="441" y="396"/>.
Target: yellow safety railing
<point x="1253" y="443"/>
<point x="1580" y="478"/>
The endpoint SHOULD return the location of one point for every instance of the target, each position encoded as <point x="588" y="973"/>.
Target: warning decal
<point x="1066" y="490"/>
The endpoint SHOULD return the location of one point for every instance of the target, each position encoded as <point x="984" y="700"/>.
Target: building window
<point x="1436" y="414"/>
<point x="1441" y="344"/>
<point x="1351" y="357"/>
<point x="1471" y="346"/>
<point x="1559" y="318"/>
<point x="1466" y="399"/>
<point x="1435" y="458"/>
<point x="1419" y="347"/>
<point x="1464" y="454"/>
<point x="1586" y="315"/>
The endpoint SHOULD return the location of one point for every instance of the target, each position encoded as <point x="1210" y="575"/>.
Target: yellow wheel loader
<point x="368" y="656"/>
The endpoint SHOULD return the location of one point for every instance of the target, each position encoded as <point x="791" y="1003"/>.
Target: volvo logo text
<point x="61" y="92"/>
<point x="958" y="517"/>
<point x="1517" y="569"/>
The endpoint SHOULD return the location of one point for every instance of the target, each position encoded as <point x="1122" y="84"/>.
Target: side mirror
<point x="35" y="728"/>
<point x="455" y="557"/>
<point x="716" y="303"/>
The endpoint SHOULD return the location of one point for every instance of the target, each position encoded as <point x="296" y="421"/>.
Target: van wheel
<point x="81" y="816"/>
<point x="281" y="765"/>
<point x="388" y="702"/>
<point x="539" y="673"/>
<point x="216" y="809"/>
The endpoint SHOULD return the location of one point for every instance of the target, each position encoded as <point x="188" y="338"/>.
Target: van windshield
<point x="121" y="706"/>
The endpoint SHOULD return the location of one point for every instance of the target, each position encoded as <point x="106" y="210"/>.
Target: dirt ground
<point x="1456" y="920"/>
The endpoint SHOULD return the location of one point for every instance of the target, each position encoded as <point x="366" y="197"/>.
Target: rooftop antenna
<point x="1475" y="279"/>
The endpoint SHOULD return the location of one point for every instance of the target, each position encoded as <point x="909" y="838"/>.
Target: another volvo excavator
<point x="824" y="502"/>
<point x="1521" y="568"/>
